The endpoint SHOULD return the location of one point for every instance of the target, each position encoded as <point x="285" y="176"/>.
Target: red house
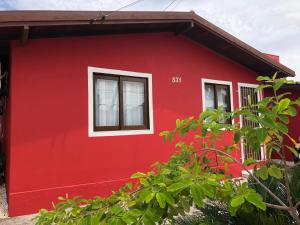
<point x="85" y="97"/>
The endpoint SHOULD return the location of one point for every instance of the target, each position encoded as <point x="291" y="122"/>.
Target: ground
<point x="21" y="220"/>
<point x="4" y="220"/>
<point x="3" y="202"/>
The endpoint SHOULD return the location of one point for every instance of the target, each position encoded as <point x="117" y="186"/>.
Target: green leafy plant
<point x="190" y="177"/>
<point x="212" y="213"/>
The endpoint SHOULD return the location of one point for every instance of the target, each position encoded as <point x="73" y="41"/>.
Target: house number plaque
<point x="176" y="79"/>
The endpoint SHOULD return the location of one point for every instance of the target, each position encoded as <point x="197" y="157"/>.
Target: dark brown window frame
<point x="121" y="79"/>
<point x="215" y="85"/>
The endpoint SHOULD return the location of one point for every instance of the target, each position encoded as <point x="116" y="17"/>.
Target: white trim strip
<point x="91" y="132"/>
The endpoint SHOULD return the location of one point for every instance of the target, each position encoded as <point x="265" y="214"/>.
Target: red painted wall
<point x="294" y="128"/>
<point x="274" y="57"/>
<point x="50" y="153"/>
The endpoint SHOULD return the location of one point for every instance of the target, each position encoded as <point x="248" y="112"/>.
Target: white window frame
<point x="222" y="82"/>
<point x="259" y="95"/>
<point x="91" y="132"/>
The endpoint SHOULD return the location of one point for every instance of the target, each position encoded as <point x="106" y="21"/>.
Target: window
<point x="247" y="91"/>
<point x="121" y="103"/>
<point x="217" y="94"/>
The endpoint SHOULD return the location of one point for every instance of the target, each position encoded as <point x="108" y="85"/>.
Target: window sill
<point x="119" y="133"/>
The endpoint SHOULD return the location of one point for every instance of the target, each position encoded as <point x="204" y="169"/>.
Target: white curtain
<point x="133" y="99"/>
<point x="222" y="96"/>
<point x="209" y="97"/>
<point x="107" y="102"/>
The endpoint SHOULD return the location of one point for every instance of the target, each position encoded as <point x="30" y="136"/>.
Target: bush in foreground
<point x="188" y="178"/>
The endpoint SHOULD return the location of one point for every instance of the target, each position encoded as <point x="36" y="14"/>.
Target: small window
<point x="217" y="95"/>
<point x="120" y="103"/>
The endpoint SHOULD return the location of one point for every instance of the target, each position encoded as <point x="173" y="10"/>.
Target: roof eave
<point x="15" y="19"/>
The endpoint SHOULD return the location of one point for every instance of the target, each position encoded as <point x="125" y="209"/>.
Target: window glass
<point x="133" y="103"/>
<point x="120" y="103"/>
<point x="222" y="100"/>
<point x="209" y="97"/>
<point x="218" y="95"/>
<point x="222" y="96"/>
<point x="106" y="102"/>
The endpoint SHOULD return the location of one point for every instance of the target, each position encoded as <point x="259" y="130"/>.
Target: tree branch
<point x="295" y="165"/>
<point x="297" y="205"/>
<point x="286" y="180"/>
<point x="277" y="206"/>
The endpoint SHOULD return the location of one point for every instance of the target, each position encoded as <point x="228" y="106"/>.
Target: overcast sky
<point x="271" y="26"/>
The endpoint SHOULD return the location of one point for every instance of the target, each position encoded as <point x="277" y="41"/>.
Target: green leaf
<point x="291" y="111"/>
<point x="182" y="169"/>
<point x="256" y="200"/>
<point x="154" y="214"/>
<point x="275" y="75"/>
<point x="143" y="194"/>
<point x="237" y="136"/>
<point x="116" y="209"/>
<point x="138" y="175"/>
<point x="237" y="201"/>
<point x="282" y="128"/>
<point x="262" y="134"/>
<point x="284" y="119"/>
<point x="166" y="171"/>
<point x="168" y="198"/>
<point x="148" y="220"/>
<point x="264" y="102"/>
<point x="164" y="133"/>
<point x="263" y="86"/>
<point x="113" y="221"/>
<point x="263" y="78"/>
<point x="232" y="210"/>
<point x="144" y="182"/>
<point x="178" y="123"/>
<point x="128" y="219"/>
<point x="249" y="161"/>
<point x="161" y="200"/>
<point x="208" y="190"/>
<point x="284" y="94"/>
<point x="135" y="212"/>
<point x="267" y="122"/>
<point x="149" y="197"/>
<point x="278" y="83"/>
<point x="197" y="194"/>
<point x="297" y="102"/>
<point x="263" y="173"/>
<point x="275" y="171"/>
<point x="283" y="104"/>
<point x="95" y="220"/>
<point x="176" y="187"/>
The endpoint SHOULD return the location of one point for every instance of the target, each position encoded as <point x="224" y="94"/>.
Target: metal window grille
<point x="246" y="93"/>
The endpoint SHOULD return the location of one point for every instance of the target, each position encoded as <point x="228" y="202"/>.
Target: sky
<point x="271" y="26"/>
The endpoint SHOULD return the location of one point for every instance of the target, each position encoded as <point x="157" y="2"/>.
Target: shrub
<point x="188" y="178"/>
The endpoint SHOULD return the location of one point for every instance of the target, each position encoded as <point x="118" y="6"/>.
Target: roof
<point x="23" y="25"/>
